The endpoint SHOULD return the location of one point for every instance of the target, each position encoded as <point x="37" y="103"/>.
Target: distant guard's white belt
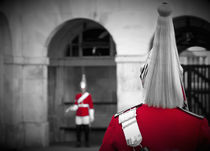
<point x="83" y="105"/>
<point x="130" y="128"/>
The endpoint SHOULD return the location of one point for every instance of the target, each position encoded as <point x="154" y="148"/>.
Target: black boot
<point x="87" y="130"/>
<point x="78" y="131"/>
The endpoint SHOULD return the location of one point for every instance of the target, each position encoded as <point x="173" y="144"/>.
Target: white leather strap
<point x="84" y="96"/>
<point x="127" y="115"/>
<point x="130" y="128"/>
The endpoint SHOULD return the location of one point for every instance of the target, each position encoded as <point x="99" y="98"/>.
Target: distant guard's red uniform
<point x="162" y="130"/>
<point x="84" y="105"/>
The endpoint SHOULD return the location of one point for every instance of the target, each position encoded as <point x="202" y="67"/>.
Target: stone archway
<point x="80" y="46"/>
<point x="193" y="43"/>
<point x="6" y="126"/>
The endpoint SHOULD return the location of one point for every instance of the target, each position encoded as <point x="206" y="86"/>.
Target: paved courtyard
<point x="63" y="148"/>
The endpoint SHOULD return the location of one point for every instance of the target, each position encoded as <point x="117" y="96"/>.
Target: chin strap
<point x="130" y="128"/>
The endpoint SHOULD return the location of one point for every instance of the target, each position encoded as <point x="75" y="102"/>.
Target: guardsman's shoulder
<point x="191" y="113"/>
<point x="124" y="111"/>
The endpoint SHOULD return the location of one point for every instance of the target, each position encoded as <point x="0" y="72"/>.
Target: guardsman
<point x="161" y="124"/>
<point x="84" y="112"/>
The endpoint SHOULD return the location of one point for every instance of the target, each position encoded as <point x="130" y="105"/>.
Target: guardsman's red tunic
<point x="84" y="105"/>
<point x="162" y="130"/>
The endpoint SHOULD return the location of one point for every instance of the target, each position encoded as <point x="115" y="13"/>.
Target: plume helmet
<point x="162" y="74"/>
<point x="83" y="83"/>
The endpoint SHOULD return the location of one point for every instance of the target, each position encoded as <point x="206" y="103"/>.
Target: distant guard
<point x="84" y="112"/>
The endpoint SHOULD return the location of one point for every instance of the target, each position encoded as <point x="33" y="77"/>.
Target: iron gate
<point x="196" y="80"/>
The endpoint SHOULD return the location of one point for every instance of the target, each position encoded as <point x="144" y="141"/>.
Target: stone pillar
<point x="2" y="129"/>
<point x="129" y="88"/>
<point x="25" y="105"/>
<point x="208" y="57"/>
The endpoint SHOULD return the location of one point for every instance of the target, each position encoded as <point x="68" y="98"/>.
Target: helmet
<point x="162" y="74"/>
<point x="83" y="83"/>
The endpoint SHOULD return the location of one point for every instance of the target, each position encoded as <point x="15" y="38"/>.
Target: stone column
<point x="129" y="88"/>
<point x="26" y="102"/>
<point x="208" y="57"/>
<point x="2" y="127"/>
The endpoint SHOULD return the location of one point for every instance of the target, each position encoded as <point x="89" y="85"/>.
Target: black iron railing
<point x="196" y="80"/>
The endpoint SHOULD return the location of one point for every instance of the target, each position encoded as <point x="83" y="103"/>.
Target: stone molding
<point x="130" y="58"/>
<point x="83" y="61"/>
<point x="26" y="60"/>
<point x="45" y="60"/>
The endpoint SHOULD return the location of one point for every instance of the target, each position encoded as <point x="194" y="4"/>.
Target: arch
<point x="5" y="35"/>
<point x="64" y="31"/>
<point x="191" y="31"/>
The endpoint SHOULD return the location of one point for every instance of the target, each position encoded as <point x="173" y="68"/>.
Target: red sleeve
<point x="76" y="98"/>
<point x="204" y="140"/>
<point x="108" y="140"/>
<point x="90" y="102"/>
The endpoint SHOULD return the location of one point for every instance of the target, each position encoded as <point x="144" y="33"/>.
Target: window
<point x="91" y="42"/>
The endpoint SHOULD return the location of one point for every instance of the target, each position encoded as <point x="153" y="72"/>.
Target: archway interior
<point x="80" y="46"/>
<point x="191" y="31"/>
<point x="81" y="38"/>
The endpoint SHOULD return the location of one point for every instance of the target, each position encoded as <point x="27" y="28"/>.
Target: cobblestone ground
<point x="65" y="147"/>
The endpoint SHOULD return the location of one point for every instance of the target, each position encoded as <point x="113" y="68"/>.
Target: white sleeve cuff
<point x="73" y="107"/>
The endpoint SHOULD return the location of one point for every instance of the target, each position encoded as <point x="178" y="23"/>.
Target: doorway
<point x="80" y="46"/>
